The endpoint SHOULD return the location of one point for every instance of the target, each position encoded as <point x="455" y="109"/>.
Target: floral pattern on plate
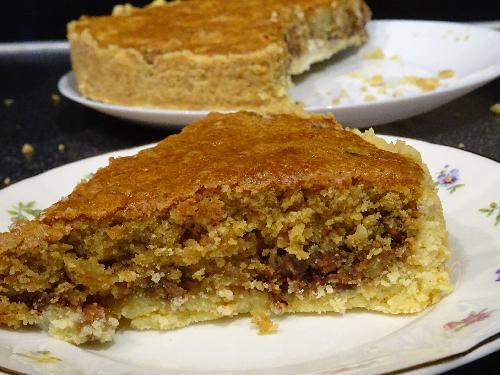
<point x="490" y="210"/>
<point x="23" y="211"/>
<point x="448" y="179"/>
<point x="87" y="177"/>
<point x="470" y="319"/>
<point x="42" y="356"/>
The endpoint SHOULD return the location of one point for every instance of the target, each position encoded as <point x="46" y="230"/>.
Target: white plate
<point x="361" y="342"/>
<point x="411" y="48"/>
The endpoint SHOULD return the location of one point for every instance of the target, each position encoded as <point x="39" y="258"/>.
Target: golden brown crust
<point x="202" y="27"/>
<point x="247" y="150"/>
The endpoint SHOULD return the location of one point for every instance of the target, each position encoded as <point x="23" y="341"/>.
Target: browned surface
<point x="200" y="26"/>
<point x="242" y="149"/>
<point x="204" y="27"/>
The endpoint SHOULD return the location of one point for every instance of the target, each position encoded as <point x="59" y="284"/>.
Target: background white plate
<point x="359" y="342"/>
<point x="411" y="48"/>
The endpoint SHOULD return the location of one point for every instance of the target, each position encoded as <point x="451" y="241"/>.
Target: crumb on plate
<point x="376" y="54"/>
<point x="425" y="84"/>
<point x="382" y="90"/>
<point x="376" y="80"/>
<point x="447" y="73"/>
<point x="263" y="322"/>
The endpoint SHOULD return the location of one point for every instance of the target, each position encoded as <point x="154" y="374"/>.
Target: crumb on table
<point x="461" y="145"/>
<point x="6" y="181"/>
<point x="55" y="98"/>
<point x="61" y="147"/>
<point x="495" y="108"/>
<point x="27" y="149"/>
<point x="8" y="102"/>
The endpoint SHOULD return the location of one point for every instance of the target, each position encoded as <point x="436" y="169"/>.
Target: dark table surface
<point x="30" y="78"/>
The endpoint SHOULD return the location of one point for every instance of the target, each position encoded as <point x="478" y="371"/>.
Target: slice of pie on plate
<point x="239" y="213"/>
<point x="210" y="54"/>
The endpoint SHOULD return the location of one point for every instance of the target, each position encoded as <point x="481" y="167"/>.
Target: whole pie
<point x="210" y="54"/>
<point x="239" y="213"/>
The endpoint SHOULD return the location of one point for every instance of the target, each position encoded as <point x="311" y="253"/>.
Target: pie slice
<point x="239" y="213"/>
<point x="210" y="54"/>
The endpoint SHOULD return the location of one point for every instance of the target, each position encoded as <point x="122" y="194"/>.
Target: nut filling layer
<point x="284" y="243"/>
